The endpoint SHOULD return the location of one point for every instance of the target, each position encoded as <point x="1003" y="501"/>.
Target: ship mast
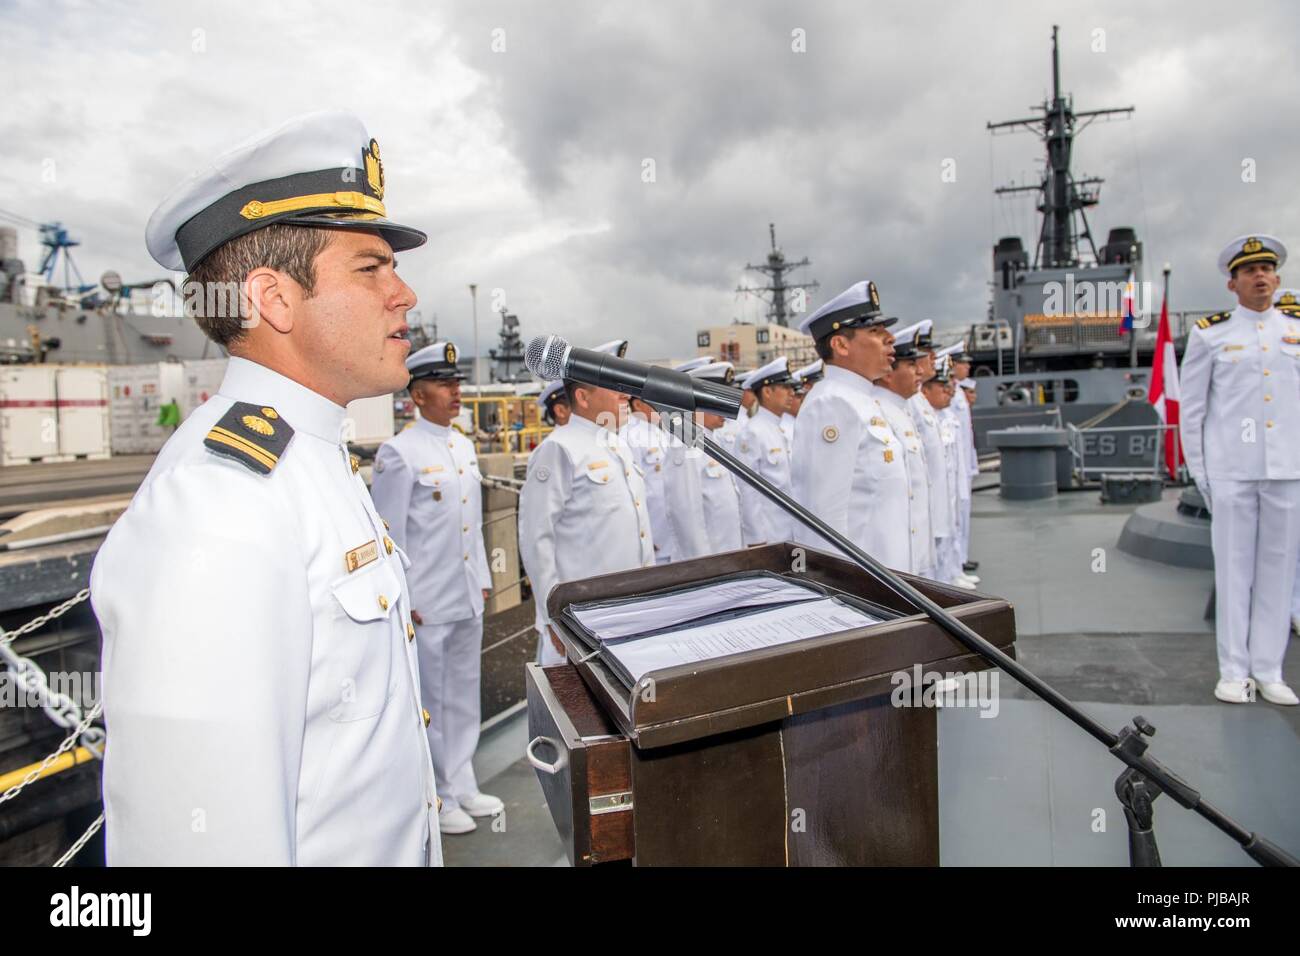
<point x="776" y="268"/>
<point x="1061" y="195"/>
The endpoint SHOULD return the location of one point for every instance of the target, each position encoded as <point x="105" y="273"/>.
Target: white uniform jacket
<point x="849" y="468"/>
<point x="918" y="479"/>
<point x="582" y="511"/>
<point x="261" y="695"/>
<point x="763" y="447"/>
<point x="927" y="424"/>
<point x="1240" y="393"/>
<point x="426" y="483"/>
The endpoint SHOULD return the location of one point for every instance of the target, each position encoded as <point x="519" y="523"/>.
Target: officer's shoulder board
<point x="254" y="435"/>
<point x="1215" y="319"/>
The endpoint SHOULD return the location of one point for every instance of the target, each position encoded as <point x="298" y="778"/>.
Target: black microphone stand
<point x="1145" y="777"/>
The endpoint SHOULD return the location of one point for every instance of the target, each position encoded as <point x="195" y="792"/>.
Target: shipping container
<point x="369" y="421"/>
<point x="53" y="413"/>
<point x="136" y="395"/>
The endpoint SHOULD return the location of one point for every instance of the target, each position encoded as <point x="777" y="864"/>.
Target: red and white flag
<point x="1164" y="391"/>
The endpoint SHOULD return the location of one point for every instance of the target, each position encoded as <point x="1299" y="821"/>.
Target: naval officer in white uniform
<point x="427" y="485"/>
<point x="670" y="479"/>
<point x="895" y="390"/>
<point x="582" y="510"/>
<point x="958" y="415"/>
<point x="927" y="425"/>
<point x="554" y="404"/>
<point x="849" y="468"/>
<point x="1239" y="381"/>
<point x="711" y="501"/>
<point x="261" y="695"/>
<point x="762" y="445"/>
<point x="1287" y="301"/>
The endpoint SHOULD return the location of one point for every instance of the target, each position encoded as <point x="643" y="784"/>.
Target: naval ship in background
<point x="1052" y="346"/>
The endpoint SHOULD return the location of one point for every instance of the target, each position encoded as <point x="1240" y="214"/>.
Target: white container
<point x="53" y="413"/>
<point x="200" y="380"/>
<point x="82" y="405"/>
<point x="369" y="421"/>
<point x="136" y="394"/>
<point x="29" y="424"/>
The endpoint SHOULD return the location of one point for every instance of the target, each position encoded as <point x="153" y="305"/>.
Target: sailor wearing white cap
<point x="895" y="389"/>
<point x="264" y="703"/>
<point x="958" y="413"/>
<point x="668" y="479"/>
<point x="762" y="445"/>
<point x="427" y="485"/>
<point x="926" y="419"/>
<point x="848" y="464"/>
<point x="713" y="502"/>
<point x="1239" y="380"/>
<point x="554" y="403"/>
<point x="804" y="379"/>
<point x="582" y="510"/>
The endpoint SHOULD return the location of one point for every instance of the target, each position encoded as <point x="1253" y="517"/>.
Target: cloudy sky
<point x="609" y="167"/>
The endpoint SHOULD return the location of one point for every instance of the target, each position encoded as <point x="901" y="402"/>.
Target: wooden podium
<point x="786" y="756"/>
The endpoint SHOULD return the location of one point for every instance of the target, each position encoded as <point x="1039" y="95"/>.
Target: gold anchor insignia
<point x="374" y="169"/>
<point x="875" y="299"/>
<point x="1252" y="245"/>
<point x="451" y="354"/>
<point x="259" y="425"/>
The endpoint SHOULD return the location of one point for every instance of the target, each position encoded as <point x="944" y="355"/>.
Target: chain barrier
<point x="93" y="741"/>
<point x="81" y="841"/>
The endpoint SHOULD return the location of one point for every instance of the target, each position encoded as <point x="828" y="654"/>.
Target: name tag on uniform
<point x="592" y="466"/>
<point x="1233" y="348"/>
<point x="362" y="555"/>
<point x="1291" y="340"/>
<point x="877" y="421"/>
<point x="431" y="469"/>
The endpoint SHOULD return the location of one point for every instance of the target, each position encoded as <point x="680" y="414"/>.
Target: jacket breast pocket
<point x="361" y="642"/>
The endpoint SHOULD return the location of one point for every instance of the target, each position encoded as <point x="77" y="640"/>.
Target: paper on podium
<point x="614" y="620"/>
<point x="765" y="628"/>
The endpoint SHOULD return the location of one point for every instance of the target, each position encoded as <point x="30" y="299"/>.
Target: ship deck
<point x="1023" y="787"/>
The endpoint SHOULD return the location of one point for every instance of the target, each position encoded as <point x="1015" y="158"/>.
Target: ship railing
<point x="1141" y="441"/>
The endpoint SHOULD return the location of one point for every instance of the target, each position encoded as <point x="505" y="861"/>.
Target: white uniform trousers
<point x="947" y="552"/>
<point x="963" y="524"/>
<point x="547" y="655"/>
<point x="1255" y="533"/>
<point x="451" y="657"/>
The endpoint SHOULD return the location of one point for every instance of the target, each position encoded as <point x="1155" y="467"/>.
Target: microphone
<point x="550" y="357"/>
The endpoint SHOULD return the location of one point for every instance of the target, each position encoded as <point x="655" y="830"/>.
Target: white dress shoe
<point x="972" y="578"/>
<point x="1276" y="692"/>
<point x="962" y="581"/>
<point x="480" y="804"/>
<point x="455" y="820"/>
<point x="1235" y="691"/>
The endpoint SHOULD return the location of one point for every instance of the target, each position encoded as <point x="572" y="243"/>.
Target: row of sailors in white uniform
<point x="574" y="519"/>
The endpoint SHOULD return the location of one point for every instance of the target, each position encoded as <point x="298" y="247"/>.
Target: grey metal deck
<point x="1024" y="787"/>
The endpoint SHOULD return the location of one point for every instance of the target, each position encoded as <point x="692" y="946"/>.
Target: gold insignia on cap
<point x="450" y="353"/>
<point x="871" y="290"/>
<point x="256" y="424"/>
<point x="1288" y="298"/>
<point x="1252" y="245"/>
<point x="730" y="375"/>
<point x="374" y="170"/>
<point x="830" y="433"/>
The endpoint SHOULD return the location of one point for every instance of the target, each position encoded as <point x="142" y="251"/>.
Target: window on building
<point x="731" y="351"/>
<point x="702" y="340"/>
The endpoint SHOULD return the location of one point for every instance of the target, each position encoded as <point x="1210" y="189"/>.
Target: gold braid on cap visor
<point x="343" y="200"/>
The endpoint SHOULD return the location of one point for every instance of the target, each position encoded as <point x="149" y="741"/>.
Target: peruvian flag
<point x="1164" y="390"/>
<point x="1130" y="291"/>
